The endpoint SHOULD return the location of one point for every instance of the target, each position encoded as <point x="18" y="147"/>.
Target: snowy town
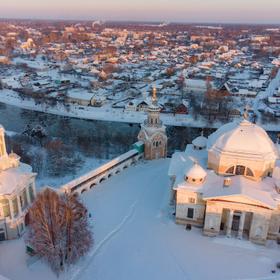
<point x="139" y="150"/>
<point x="205" y="75"/>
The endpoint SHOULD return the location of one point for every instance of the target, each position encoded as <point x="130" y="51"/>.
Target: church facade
<point x="229" y="183"/>
<point x="17" y="192"/>
<point x="153" y="132"/>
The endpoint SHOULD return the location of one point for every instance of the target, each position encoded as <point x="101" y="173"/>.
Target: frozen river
<point x="115" y="136"/>
<point x="69" y="130"/>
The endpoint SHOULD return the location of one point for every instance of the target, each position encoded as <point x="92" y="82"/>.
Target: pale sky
<point x="244" y="11"/>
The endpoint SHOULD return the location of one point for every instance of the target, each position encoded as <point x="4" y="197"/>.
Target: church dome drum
<point x="241" y="148"/>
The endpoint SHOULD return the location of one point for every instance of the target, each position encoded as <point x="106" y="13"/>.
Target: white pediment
<point x="263" y="202"/>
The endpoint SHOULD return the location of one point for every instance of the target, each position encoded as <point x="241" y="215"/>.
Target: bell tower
<point x="154" y="111"/>
<point x="153" y="132"/>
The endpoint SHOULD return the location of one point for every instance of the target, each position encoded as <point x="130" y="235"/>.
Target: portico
<point x="235" y="223"/>
<point x="237" y="220"/>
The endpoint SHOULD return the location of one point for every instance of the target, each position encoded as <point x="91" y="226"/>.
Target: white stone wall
<point x="274" y="225"/>
<point x="259" y="227"/>
<point x="213" y="219"/>
<point x="183" y="203"/>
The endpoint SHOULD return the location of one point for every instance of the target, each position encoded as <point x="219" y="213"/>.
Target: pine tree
<point x="59" y="231"/>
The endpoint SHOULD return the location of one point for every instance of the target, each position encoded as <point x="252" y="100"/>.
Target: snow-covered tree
<point x="59" y="230"/>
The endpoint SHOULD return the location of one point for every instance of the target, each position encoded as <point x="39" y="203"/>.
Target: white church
<point x="17" y="191"/>
<point x="229" y="183"/>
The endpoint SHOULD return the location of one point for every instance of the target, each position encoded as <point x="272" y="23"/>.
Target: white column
<point x="34" y="190"/>
<point x="241" y="225"/>
<point x="19" y="206"/>
<point x="28" y="195"/>
<point x="229" y="223"/>
<point x="12" y="215"/>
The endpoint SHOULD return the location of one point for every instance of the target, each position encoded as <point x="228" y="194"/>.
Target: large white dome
<point x="243" y="138"/>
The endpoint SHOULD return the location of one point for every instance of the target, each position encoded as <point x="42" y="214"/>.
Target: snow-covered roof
<point x="182" y="161"/>
<point x="243" y="138"/>
<point x="79" y="93"/>
<point x="14" y="178"/>
<point x="213" y="187"/>
<point x="197" y="83"/>
<point x="97" y="171"/>
<point x="200" y="141"/>
<point x="262" y="191"/>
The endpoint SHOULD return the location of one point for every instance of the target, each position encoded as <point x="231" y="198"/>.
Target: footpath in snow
<point x="136" y="238"/>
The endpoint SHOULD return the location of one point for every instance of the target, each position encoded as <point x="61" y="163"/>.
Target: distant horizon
<point x="138" y="21"/>
<point x="177" y="11"/>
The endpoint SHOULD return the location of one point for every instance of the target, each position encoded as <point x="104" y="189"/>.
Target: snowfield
<point x="136" y="238"/>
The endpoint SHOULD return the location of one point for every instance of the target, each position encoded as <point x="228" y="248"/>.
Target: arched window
<point x="230" y="170"/>
<point x="249" y="172"/>
<point x="240" y="170"/>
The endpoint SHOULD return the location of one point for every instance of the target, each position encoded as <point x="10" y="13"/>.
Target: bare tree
<point x="59" y="229"/>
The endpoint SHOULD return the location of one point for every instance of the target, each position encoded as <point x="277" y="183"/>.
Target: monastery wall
<point x="102" y="173"/>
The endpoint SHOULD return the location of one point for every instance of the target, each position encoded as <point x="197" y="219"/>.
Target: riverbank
<point x="106" y="113"/>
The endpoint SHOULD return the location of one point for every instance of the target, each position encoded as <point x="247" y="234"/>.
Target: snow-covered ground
<point x="136" y="238"/>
